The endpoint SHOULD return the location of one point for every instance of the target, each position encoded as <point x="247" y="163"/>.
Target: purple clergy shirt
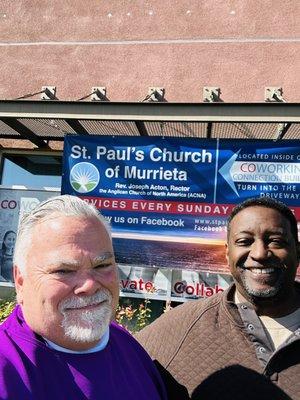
<point x="30" y="370"/>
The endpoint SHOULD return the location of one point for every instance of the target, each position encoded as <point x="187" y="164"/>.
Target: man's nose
<point x="259" y="250"/>
<point x="86" y="284"/>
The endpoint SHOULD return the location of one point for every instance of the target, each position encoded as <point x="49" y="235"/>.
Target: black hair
<point x="268" y="203"/>
<point x="4" y="237"/>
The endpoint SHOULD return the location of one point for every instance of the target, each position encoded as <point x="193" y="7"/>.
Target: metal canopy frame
<point x="41" y="121"/>
<point x="24" y="131"/>
<point x="189" y="112"/>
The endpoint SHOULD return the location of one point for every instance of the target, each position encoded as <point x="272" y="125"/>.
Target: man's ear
<point x="19" y="281"/>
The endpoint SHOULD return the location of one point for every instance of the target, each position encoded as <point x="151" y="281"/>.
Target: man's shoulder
<point x="133" y="354"/>
<point x="180" y="315"/>
<point x="16" y="336"/>
<point x="8" y="326"/>
<point x="8" y="348"/>
<point x="124" y="340"/>
<point x="14" y="325"/>
<point x="164" y="334"/>
<point x="117" y="330"/>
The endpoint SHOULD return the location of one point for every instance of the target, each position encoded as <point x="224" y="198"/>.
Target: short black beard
<point x="271" y="293"/>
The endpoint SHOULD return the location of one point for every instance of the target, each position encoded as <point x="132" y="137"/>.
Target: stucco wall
<point x="127" y="46"/>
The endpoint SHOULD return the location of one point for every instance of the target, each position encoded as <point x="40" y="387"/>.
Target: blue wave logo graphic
<point x="84" y="177"/>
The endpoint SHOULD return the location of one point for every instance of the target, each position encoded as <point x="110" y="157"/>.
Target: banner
<point x="174" y="285"/>
<point x="168" y="199"/>
<point x="193" y="285"/>
<point x="13" y="203"/>
<point x="151" y="283"/>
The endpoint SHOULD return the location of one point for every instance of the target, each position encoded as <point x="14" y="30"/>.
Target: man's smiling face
<point x="262" y="253"/>
<point x="70" y="287"/>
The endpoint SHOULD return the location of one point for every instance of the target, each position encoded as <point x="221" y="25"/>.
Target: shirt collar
<point x="99" y="346"/>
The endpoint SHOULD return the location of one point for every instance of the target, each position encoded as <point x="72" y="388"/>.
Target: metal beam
<point x="77" y="127"/>
<point x="25" y="132"/>
<point x="209" y="130"/>
<point x="141" y="128"/>
<point x="193" y="112"/>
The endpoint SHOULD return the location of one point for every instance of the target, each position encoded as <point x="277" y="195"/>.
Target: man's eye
<point x="62" y="271"/>
<point x="243" y="242"/>
<point x="102" y="266"/>
<point x="278" y="242"/>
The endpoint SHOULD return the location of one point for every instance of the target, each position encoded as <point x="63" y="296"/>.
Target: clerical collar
<point x="99" y="346"/>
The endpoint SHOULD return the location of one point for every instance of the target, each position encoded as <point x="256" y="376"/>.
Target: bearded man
<point x="59" y="343"/>
<point x="243" y="343"/>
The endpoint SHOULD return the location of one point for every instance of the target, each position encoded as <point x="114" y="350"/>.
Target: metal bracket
<point x="282" y="130"/>
<point x="274" y="94"/>
<point x="156" y="94"/>
<point x="99" y="93"/>
<point x="49" y="93"/>
<point x="211" y="94"/>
